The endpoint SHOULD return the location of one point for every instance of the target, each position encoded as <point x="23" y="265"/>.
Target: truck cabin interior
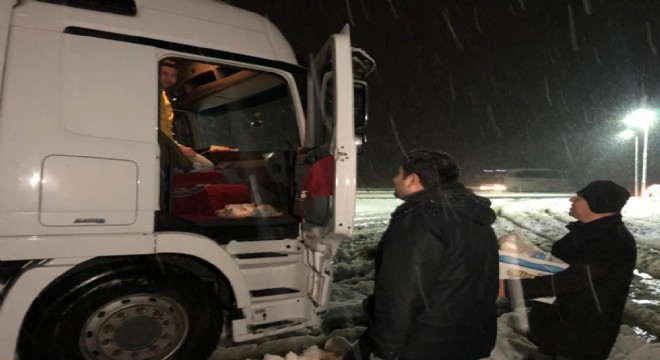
<point x="241" y="123"/>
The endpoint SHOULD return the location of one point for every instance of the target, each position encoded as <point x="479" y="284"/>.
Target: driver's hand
<point x="188" y="151"/>
<point x="219" y="148"/>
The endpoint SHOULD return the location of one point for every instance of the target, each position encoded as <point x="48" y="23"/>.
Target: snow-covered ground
<point x="541" y="220"/>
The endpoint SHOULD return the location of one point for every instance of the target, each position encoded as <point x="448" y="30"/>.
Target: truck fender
<point x="208" y="250"/>
<point x="24" y="289"/>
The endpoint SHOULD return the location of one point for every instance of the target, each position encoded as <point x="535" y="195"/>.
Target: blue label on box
<point x="530" y="265"/>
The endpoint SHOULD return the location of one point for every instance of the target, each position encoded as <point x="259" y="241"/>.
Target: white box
<point x="521" y="266"/>
<point x="521" y="259"/>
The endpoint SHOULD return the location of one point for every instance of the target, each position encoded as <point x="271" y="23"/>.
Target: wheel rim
<point x="135" y="327"/>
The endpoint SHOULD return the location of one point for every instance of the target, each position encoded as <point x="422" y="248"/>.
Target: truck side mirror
<point x="361" y="114"/>
<point x="360" y="96"/>
<point x="363" y="64"/>
<point x="360" y="142"/>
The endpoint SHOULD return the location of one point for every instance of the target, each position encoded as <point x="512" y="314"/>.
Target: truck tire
<point x="124" y="311"/>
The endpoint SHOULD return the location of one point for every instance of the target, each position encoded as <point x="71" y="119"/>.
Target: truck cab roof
<point x="174" y="21"/>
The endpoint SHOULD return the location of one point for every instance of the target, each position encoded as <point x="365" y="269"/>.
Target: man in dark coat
<point x="584" y="320"/>
<point x="436" y="269"/>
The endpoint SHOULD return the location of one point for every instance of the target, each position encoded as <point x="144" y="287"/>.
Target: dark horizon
<point x="496" y="84"/>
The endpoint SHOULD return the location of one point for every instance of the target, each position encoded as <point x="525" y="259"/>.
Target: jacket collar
<point x="454" y="199"/>
<point x="429" y="193"/>
<point x="596" y="224"/>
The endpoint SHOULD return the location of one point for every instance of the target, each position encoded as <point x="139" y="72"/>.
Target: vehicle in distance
<point x="521" y="180"/>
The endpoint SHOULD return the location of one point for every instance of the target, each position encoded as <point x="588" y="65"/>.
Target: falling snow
<point x="587" y="6"/>
<point x="476" y="19"/>
<point x="449" y="59"/>
<point x="574" y="42"/>
<point x="540" y="220"/>
<point x="459" y="45"/>
<point x="649" y="38"/>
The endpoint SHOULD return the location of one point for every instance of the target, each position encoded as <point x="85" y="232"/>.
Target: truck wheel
<point x="128" y="312"/>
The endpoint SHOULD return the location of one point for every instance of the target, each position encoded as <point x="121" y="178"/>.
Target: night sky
<point x="501" y="83"/>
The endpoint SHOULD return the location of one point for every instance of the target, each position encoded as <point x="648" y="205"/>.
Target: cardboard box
<point x="521" y="266"/>
<point x="520" y="259"/>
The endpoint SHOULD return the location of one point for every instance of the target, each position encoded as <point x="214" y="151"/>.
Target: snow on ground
<point x="541" y="220"/>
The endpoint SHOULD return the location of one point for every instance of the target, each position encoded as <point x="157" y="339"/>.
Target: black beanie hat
<point x="604" y="196"/>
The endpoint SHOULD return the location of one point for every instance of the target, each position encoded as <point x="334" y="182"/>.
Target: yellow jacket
<point x="166" y="115"/>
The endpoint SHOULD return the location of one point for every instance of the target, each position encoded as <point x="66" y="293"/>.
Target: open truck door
<point x="327" y="196"/>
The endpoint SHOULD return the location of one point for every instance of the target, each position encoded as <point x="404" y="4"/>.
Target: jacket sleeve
<point x="410" y="253"/>
<point x="576" y="277"/>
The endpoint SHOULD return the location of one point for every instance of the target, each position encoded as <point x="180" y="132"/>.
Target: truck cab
<point x="122" y="237"/>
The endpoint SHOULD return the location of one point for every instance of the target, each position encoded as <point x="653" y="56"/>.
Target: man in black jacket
<point x="584" y="320"/>
<point x="436" y="269"/>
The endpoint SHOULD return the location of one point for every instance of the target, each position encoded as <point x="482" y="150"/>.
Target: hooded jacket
<point x="436" y="278"/>
<point x="584" y="320"/>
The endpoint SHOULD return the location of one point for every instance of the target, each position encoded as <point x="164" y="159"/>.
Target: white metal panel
<point x="321" y="264"/>
<point x="17" y="302"/>
<point x="242" y="26"/>
<point x="207" y="10"/>
<point x="296" y="309"/>
<point x="28" y="224"/>
<point x="5" y="16"/>
<point x="32" y="127"/>
<point x="209" y="251"/>
<point x="291" y="276"/>
<point x="322" y="241"/>
<point x="345" y="149"/>
<point x="64" y="246"/>
<point x="30" y="95"/>
<point x="85" y="191"/>
<point x="338" y="51"/>
<point x="204" y="23"/>
<point x="109" y="88"/>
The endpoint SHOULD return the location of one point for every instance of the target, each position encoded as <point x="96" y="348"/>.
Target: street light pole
<point x="625" y="135"/>
<point x="637" y="165"/>
<point x="642" y="118"/>
<point x="645" y="155"/>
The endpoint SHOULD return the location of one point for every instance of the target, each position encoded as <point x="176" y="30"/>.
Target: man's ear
<point x="413" y="178"/>
<point x="414" y="182"/>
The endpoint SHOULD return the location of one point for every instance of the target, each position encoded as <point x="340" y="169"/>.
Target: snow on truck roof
<point x="203" y="23"/>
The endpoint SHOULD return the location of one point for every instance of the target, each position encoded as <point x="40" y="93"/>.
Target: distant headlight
<point x="492" y="187"/>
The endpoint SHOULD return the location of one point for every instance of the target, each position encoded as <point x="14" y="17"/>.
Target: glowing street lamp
<point x="642" y="118"/>
<point x="626" y="135"/>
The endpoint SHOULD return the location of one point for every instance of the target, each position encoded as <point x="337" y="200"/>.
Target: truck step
<point x="262" y="296"/>
<point x="273" y="292"/>
<point x="273" y="326"/>
<point x="266" y="259"/>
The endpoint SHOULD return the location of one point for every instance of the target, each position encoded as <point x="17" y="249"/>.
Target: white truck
<point x="109" y="249"/>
